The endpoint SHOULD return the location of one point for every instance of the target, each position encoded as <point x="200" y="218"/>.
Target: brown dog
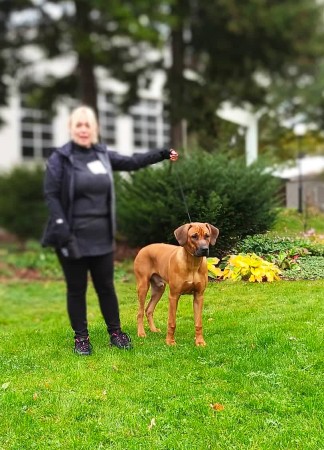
<point x="184" y="268"/>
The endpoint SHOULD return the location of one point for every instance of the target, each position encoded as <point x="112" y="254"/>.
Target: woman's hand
<point x="173" y="155"/>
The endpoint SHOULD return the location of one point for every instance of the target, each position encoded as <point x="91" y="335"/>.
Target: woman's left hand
<point x="173" y="155"/>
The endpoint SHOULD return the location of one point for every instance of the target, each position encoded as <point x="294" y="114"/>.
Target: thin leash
<point x="182" y="193"/>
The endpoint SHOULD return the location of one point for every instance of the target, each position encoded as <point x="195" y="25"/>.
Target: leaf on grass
<point x="35" y="396"/>
<point x="217" y="406"/>
<point x="5" y="385"/>
<point x="152" y="424"/>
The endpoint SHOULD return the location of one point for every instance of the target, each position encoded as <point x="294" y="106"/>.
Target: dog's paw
<point x="170" y="342"/>
<point x="155" y="330"/>
<point x="141" y="334"/>
<point x="200" y="343"/>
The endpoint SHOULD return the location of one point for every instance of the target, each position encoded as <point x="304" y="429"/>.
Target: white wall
<point x="60" y="126"/>
<point x="10" y="135"/>
<point x="124" y="135"/>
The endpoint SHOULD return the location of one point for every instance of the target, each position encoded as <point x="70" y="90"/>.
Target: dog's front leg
<point x="173" y="306"/>
<point x="198" y="303"/>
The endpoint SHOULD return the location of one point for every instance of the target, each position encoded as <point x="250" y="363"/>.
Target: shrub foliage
<point x="22" y="207"/>
<point x="239" y="200"/>
<point x="269" y="244"/>
<point x="309" y="268"/>
<point x="250" y="267"/>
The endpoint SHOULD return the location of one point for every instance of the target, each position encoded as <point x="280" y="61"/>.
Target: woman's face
<point x="82" y="130"/>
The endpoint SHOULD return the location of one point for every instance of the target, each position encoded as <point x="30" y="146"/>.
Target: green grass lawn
<point x="290" y="222"/>
<point x="262" y="371"/>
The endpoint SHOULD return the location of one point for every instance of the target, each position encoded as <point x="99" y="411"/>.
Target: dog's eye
<point x="194" y="236"/>
<point x="207" y="236"/>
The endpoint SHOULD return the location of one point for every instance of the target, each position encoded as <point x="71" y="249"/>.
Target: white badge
<point x="96" y="167"/>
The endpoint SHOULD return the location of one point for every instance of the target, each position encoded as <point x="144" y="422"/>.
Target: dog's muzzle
<point x="202" y="251"/>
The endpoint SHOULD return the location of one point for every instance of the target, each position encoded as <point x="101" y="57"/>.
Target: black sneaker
<point x="121" y="340"/>
<point x="82" y="346"/>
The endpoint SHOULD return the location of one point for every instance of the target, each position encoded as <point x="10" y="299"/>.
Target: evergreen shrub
<point x="239" y="200"/>
<point x="22" y="208"/>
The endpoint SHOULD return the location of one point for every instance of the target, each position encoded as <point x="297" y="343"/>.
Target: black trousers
<point x="101" y="269"/>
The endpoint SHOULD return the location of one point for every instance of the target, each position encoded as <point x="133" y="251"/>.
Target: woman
<point x="79" y="191"/>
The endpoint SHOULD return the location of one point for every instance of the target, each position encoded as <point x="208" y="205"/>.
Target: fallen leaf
<point x="217" y="406"/>
<point x="35" y="396"/>
<point x="5" y="385"/>
<point x="152" y="424"/>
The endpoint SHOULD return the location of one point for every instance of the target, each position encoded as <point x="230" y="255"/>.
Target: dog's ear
<point x="214" y="232"/>
<point x="181" y="233"/>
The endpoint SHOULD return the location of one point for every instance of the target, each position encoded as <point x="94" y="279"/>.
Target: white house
<point x="28" y="134"/>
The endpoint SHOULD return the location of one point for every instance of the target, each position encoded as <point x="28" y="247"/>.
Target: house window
<point x="107" y="119"/>
<point x="36" y="133"/>
<point x="150" y="127"/>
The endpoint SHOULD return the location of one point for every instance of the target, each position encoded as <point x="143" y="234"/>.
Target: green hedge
<point x="22" y="208"/>
<point x="239" y="200"/>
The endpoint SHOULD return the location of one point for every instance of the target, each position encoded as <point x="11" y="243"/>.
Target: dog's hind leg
<point x="157" y="289"/>
<point x="142" y="288"/>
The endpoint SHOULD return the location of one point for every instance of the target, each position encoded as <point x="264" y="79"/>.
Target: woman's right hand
<point x="173" y="155"/>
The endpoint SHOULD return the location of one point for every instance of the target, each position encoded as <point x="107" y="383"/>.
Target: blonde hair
<point x="91" y="118"/>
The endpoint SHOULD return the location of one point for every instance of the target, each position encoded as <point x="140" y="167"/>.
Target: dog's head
<point x="196" y="237"/>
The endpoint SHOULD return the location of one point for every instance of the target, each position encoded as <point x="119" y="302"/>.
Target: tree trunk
<point x="87" y="84"/>
<point x="176" y="80"/>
